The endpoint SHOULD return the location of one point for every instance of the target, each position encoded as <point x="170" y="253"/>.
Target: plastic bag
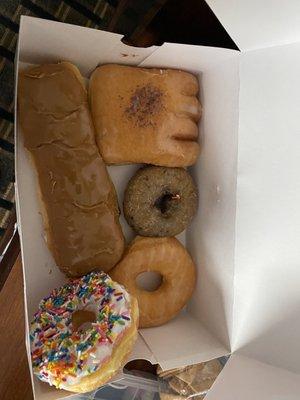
<point x="191" y="382"/>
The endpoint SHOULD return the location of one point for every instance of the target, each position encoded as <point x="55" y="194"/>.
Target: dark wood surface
<point x="15" y="381"/>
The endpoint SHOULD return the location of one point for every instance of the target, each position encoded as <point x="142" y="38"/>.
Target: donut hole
<point x="82" y="320"/>
<point x="149" y="280"/>
<point x="166" y="202"/>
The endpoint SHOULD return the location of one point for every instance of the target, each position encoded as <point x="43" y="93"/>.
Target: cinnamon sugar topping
<point x="144" y="104"/>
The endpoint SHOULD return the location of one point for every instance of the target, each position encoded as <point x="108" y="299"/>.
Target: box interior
<point x="196" y="341"/>
<point x="247" y="297"/>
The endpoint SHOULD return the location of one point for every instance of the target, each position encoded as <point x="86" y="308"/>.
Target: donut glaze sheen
<point x="169" y="258"/>
<point x="67" y="354"/>
<point x="160" y="201"/>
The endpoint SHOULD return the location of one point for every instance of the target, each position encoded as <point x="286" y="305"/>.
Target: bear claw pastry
<point x="145" y="115"/>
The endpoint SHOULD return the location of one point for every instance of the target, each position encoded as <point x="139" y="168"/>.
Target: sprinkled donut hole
<point x="160" y="201"/>
<point x="63" y="352"/>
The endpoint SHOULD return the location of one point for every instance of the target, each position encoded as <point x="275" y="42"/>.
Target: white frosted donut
<point x="68" y="354"/>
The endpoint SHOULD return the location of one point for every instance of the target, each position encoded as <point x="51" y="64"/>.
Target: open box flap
<point x="43" y="41"/>
<point x="267" y="274"/>
<point x="257" y="24"/>
<point x="246" y="379"/>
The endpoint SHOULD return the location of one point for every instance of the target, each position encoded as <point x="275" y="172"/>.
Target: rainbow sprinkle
<point x="61" y="355"/>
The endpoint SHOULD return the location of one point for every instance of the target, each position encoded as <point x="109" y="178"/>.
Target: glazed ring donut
<point x="160" y="201"/>
<point x="169" y="258"/>
<point x="69" y="354"/>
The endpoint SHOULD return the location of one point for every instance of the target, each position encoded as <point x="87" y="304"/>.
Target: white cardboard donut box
<point x="245" y="239"/>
